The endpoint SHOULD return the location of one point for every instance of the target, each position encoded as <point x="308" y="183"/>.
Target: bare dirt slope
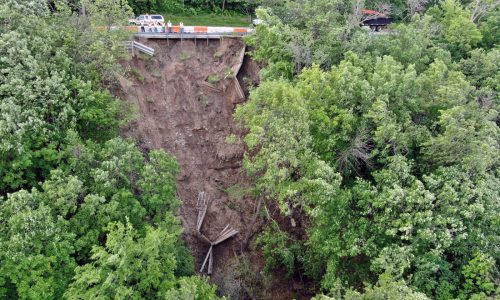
<point x="185" y="96"/>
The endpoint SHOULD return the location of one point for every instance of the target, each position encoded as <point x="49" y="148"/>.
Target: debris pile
<point x="226" y="233"/>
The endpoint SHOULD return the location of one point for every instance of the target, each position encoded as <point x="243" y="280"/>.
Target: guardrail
<point x="131" y="45"/>
<point x="207" y="30"/>
<point x="187" y="31"/>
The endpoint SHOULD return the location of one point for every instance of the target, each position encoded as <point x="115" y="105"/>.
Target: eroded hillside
<point x="185" y="96"/>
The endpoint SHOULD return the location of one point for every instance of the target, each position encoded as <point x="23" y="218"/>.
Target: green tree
<point x="489" y="30"/>
<point x="412" y="126"/>
<point x="289" y="171"/>
<point x="194" y="287"/>
<point x="44" y="99"/>
<point x="128" y="266"/>
<point x="479" y="276"/>
<point x="49" y="232"/>
<point x="36" y="243"/>
<point x="58" y="128"/>
<point x="280" y="250"/>
<point x="108" y="12"/>
<point x="386" y="288"/>
<point x="29" y="7"/>
<point x="459" y="32"/>
<point x="157" y="185"/>
<point x="467" y="137"/>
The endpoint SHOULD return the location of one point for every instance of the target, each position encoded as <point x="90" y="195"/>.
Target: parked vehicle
<point x="144" y="20"/>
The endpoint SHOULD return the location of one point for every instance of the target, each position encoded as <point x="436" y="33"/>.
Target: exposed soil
<point x="185" y="97"/>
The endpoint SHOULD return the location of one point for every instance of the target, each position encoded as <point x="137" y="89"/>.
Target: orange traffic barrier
<point x="200" y="29"/>
<point x="240" y="30"/>
<point x="176" y="29"/>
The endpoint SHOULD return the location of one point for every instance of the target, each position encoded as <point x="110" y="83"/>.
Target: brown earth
<point x="185" y="97"/>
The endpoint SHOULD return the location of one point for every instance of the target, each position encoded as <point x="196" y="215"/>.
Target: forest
<point x="388" y="145"/>
<point x="85" y="214"/>
<point x="384" y="148"/>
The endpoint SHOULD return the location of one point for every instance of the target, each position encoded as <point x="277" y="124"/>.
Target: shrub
<point x="213" y="79"/>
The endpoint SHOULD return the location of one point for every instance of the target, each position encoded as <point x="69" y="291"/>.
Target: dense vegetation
<point x="84" y="214"/>
<point x="192" y="6"/>
<point x="387" y="145"/>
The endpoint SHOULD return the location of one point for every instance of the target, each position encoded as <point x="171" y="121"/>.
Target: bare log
<point x="201" y="206"/>
<point x="206" y="258"/>
<point x="222" y="231"/>
<point x="203" y="237"/>
<point x="226" y="236"/>
<point x="210" y="263"/>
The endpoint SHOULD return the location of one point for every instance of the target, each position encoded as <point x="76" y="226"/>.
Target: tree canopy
<point x="85" y="214"/>
<point x="388" y="144"/>
<point x="384" y="148"/>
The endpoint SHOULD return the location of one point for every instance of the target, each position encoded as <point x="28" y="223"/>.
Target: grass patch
<point x="183" y="56"/>
<point x="202" y="98"/>
<point x="233" y="206"/>
<point x="137" y="75"/>
<point x="143" y="56"/>
<point x="213" y="79"/>
<point x="156" y="74"/>
<point x="218" y="54"/>
<point x="204" y="19"/>
<point x="229" y="74"/>
<point x="231" y="139"/>
<point x="238" y="191"/>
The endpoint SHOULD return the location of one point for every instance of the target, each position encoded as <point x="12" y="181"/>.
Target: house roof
<point x="373" y="12"/>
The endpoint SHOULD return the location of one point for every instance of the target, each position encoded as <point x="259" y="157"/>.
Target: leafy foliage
<point x="68" y="223"/>
<point x="386" y="288"/>
<point x="129" y="266"/>
<point x="191" y="6"/>
<point x="279" y="249"/>
<point x="84" y="213"/>
<point x="108" y="12"/>
<point x="391" y="150"/>
<point x="43" y="98"/>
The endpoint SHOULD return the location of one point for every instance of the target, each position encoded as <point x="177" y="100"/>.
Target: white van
<point x="148" y="20"/>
